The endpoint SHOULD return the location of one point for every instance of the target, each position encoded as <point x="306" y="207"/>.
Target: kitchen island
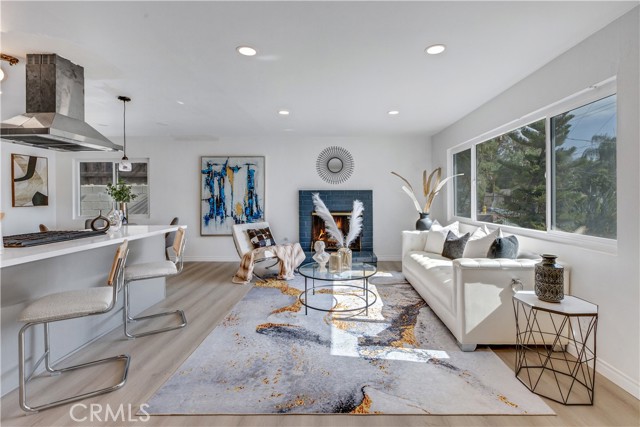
<point x="31" y="272"/>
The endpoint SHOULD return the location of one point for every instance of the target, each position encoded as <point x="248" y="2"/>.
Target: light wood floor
<point x="205" y="292"/>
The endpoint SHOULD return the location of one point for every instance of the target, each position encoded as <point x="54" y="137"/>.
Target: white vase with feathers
<point x="342" y="241"/>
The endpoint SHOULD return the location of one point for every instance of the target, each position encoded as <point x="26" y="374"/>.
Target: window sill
<point x="608" y="246"/>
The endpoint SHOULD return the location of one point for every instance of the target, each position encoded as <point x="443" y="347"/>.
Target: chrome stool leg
<point x="127" y="318"/>
<point x="46" y="357"/>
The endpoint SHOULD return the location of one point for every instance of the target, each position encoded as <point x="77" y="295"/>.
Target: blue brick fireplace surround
<point x="337" y="201"/>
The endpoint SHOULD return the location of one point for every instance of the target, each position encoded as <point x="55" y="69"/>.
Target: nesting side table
<point x="556" y="347"/>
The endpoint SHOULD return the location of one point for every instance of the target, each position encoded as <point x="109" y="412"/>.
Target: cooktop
<point x="45" y="237"/>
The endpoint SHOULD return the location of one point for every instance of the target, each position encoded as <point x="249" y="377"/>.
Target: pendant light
<point x="125" y="164"/>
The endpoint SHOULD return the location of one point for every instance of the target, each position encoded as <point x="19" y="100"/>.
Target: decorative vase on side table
<point x="549" y="279"/>
<point x="424" y="223"/>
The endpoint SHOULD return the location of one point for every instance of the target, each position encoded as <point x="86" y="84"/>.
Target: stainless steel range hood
<point x="55" y="109"/>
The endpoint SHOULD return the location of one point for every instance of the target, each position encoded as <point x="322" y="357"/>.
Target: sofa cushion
<point x="478" y="248"/>
<point x="434" y="274"/>
<point x="504" y="247"/>
<point x="438" y="234"/>
<point x="454" y="246"/>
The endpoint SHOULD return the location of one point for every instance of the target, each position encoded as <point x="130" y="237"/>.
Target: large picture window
<point x="510" y="178"/>
<point x="584" y="169"/>
<point x="93" y="179"/>
<point x="555" y="174"/>
<point x="462" y="184"/>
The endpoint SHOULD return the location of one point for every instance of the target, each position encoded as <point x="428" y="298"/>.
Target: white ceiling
<point x="338" y="66"/>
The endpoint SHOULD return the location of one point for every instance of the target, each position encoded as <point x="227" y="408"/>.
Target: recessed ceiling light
<point x="393" y="112"/>
<point x="180" y="102"/>
<point x="283" y="112"/>
<point x="435" y="49"/>
<point x="246" y="50"/>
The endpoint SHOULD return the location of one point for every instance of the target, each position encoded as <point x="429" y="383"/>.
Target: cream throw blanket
<point x="289" y="257"/>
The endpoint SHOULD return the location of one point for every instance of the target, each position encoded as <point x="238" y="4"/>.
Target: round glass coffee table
<point x="357" y="277"/>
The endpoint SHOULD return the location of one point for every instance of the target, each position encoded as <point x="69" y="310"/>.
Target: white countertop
<point x="15" y="256"/>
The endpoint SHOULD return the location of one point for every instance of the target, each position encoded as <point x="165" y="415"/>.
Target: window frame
<point x="591" y="94"/>
<point x="76" y="184"/>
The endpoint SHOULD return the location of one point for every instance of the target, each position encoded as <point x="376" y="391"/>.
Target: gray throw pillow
<point x="504" y="247"/>
<point x="454" y="245"/>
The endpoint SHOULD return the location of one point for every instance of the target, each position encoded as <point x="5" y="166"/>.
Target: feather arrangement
<point x="355" y="222"/>
<point x="329" y="223"/>
<point x="431" y="187"/>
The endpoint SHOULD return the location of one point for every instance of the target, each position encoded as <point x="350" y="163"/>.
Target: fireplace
<point x="318" y="231"/>
<point x="340" y="203"/>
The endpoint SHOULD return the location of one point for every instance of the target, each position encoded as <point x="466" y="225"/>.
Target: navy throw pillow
<point x="504" y="247"/>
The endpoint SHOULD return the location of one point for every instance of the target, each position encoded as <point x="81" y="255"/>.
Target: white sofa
<point x="472" y="296"/>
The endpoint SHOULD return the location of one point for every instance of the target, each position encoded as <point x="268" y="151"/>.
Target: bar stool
<point x="169" y="238"/>
<point x="71" y="305"/>
<point x="152" y="270"/>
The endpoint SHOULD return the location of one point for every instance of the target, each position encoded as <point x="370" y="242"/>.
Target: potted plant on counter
<point x="122" y="194"/>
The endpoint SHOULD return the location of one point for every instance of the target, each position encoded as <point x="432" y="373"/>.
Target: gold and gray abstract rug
<point x="268" y="357"/>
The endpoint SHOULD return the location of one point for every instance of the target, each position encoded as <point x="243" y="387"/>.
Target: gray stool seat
<point x="68" y="305"/>
<point x="150" y="270"/>
<point x="71" y="305"/>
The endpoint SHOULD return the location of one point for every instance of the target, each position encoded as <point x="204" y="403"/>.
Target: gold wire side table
<point x="556" y="347"/>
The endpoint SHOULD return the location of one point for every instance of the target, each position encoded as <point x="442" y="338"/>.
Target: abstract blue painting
<point x="232" y="189"/>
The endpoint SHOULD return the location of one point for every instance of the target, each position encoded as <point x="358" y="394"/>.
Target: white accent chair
<point x="152" y="270"/>
<point x="243" y="243"/>
<point x="71" y="305"/>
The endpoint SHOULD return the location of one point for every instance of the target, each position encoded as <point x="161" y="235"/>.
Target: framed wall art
<point x="30" y="179"/>
<point x="232" y="192"/>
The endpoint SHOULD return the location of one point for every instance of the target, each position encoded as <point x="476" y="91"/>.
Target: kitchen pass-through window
<point x="93" y="179"/>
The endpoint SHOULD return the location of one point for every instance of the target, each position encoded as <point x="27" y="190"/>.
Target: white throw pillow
<point x="478" y="248"/>
<point x="479" y="233"/>
<point x="438" y="234"/>
<point x="454" y="226"/>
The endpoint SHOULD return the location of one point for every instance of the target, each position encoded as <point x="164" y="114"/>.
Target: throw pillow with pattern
<point x="261" y="237"/>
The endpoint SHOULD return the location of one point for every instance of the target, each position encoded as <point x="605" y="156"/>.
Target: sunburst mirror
<point x="335" y="165"/>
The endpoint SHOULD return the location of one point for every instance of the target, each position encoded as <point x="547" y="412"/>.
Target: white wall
<point x="290" y="166"/>
<point x="610" y="280"/>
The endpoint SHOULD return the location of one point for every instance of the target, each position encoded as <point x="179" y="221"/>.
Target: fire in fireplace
<point x="318" y="231"/>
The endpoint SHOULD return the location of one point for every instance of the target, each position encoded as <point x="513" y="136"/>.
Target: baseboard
<point x="388" y="257"/>
<point x="619" y="378"/>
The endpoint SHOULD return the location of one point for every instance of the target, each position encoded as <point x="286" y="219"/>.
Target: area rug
<point x="268" y="357"/>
